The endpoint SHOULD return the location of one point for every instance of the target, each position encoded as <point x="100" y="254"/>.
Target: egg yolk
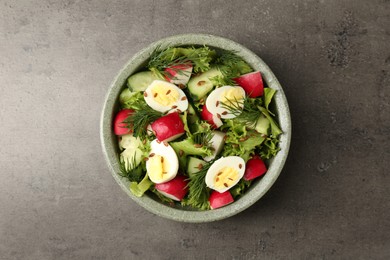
<point x="225" y="177"/>
<point x="158" y="167"/>
<point x="165" y="95"/>
<point x="232" y="94"/>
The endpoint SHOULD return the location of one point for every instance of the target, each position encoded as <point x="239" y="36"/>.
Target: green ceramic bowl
<point x="258" y="188"/>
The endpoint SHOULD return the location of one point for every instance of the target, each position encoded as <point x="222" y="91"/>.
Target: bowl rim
<point x="257" y="190"/>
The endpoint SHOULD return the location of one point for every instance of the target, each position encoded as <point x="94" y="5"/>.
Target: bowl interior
<point x="257" y="189"/>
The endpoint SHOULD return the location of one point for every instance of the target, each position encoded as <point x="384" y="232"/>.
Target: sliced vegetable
<point x="252" y="83"/>
<point x="194" y="165"/>
<point x="262" y="125"/>
<point x="168" y="128"/>
<point x="213" y="120"/>
<point x="255" y="167"/>
<point x="201" y="84"/>
<point x="125" y="95"/>
<point x="217" y="142"/>
<point x="174" y="189"/>
<point x="179" y="74"/>
<point x="218" y="200"/>
<point x="131" y="158"/>
<point x="129" y="141"/>
<point x="141" y="80"/>
<point x="120" y="127"/>
<point x="275" y="130"/>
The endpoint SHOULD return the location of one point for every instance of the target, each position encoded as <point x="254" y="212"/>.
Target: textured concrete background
<point x="58" y="199"/>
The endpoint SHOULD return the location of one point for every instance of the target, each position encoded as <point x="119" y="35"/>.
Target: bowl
<point x="257" y="189"/>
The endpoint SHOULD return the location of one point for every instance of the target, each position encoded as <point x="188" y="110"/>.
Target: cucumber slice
<point x="200" y="85"/>
<point x="125" y="95"/>
<point x="193" y="164"/>
<point x="141" y="80"/>
<point x="262" y="125"/>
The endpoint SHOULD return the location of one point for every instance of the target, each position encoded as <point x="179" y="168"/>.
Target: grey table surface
<point x="58" y="199"/>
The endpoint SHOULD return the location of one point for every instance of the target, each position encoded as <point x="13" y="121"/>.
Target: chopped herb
<point x="141" y="119"/>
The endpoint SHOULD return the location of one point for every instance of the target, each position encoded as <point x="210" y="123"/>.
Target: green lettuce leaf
<point x="268" y="95"/>
<point x="131" y="100"/>
<point x="240" y="188"/>
<point x="269" y="148"/>
<point x="200" y="57"/>
<point x="187" y="146"/>
<point x="240" y="141"/>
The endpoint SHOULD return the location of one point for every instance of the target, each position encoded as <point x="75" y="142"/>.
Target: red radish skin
<point x="218" y="200"/>
<point x="120" y="127"/>
<point x="210" y="118"/>
<point x="252" y="83"/>
<point x="175" y="189"/>
<point x="168" y="127"/>
<point x="255" y="167"/>
<point x="179" y="74"/>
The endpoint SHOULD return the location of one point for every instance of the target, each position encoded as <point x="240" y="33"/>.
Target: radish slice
<point x="179" y="74"/>
<point x="213" y="120"/>
<point x="119" y="126"/>
<point x="218" y="200"/>
<point x="174" y="189"/>
<point x="168" y="127"/>
<point x="149" y="130"/>
<point x="217" y="142"/>
<point x="255" y="167"/>
<point x="252" y="83"/>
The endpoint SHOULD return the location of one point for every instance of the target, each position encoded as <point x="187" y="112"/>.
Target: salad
<point x="195" y="127"/>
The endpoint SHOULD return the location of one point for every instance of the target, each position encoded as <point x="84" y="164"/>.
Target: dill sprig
<point x="129" y="170"/>
<point x="231" y="66"/>
<point x="140" y="119"/>
<point x="203" y="139"/>
<point x="198" y="192"/>
<point x="245" y="110"/>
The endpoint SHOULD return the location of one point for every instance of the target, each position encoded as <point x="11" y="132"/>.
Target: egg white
<point x="214" y="102"/>
<point x="181" y="104"/>
<point x="218" y="165"/>
<point x="166" y="151"/>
